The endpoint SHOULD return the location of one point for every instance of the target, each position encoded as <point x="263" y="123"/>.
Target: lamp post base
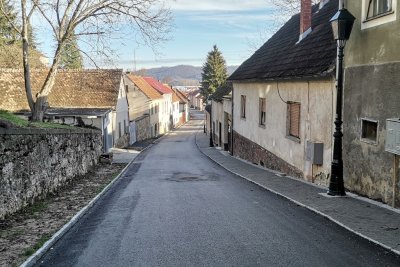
<point x="336" y="184"/>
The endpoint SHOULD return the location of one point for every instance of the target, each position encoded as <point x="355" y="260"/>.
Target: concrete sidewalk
<point x="369" y="219"/>
<point x="124" y="155"/>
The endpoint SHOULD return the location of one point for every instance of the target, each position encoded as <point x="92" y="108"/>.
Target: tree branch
<point x="3" y="11"/>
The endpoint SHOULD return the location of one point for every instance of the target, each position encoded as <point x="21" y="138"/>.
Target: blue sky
<point x="198" y="24"/>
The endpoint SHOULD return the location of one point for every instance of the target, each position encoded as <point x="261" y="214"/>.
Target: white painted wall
<point x="220" y="112"/>
<point x="217" y="117"/>
<point x="317" y="106"/>
<point x="139" y="103"/>
<point x="165" y="113"/>
<point x="109" y="131"/>
<point x="121" y="113"/>
<point x="175" y="113"/>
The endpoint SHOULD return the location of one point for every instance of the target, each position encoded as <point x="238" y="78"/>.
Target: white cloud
<point x="230" y="16"/>
<point x="222" y="5"/>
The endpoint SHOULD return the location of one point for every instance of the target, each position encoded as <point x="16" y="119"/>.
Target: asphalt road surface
<point x="174" y="207"/>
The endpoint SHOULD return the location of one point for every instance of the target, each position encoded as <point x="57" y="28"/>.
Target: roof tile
<point x="282" y="57"/>
<point x="145" y="87"/>
<point x="158" y="86"/>
<point x="72" y="88"/>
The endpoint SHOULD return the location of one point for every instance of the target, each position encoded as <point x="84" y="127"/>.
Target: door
<point x="132" y="132"/>
<point x="229" y="136"/>
<point x="220" y="135"/>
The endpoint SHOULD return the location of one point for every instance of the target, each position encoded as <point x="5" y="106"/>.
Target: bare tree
<point x="288" y="7"/>
<point x="282" y="11"/>
<point x="93" y="22"/>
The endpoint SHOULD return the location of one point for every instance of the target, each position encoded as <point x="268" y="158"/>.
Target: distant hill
<point x="178" y="75"/>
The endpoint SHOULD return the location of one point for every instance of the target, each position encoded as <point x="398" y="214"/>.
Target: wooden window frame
<point x="371" y="18"/>
<point x="262" y="111"/>
<point x="243" y="106"/>
<point x="370" y="6"/>
<point x="293" y="127"/>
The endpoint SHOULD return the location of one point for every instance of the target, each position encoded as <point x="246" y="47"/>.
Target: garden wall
<point x="34" y="162"/>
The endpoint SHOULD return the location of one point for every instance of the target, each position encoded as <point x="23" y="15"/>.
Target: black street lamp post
<point x="342" y="23"/>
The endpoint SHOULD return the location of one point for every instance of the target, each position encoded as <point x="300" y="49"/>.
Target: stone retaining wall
<point x="143" y="128"/>
<point x="34" y="162"/>
<point x="250" y="151"/>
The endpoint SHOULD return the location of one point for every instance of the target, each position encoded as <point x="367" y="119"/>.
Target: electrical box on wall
<point x="315" y="152"/>
<point x="392" y="143"/>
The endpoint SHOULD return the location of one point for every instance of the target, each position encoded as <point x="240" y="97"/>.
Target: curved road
<point x="174" y="207"/>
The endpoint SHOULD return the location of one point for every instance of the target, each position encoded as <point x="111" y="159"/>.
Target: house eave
<point x="322" y="76"/>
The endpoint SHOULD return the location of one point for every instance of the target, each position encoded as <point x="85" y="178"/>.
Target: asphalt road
<point x="174" y="207"/>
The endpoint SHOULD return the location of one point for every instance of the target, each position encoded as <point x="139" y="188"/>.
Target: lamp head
<point x="342" y="24"/>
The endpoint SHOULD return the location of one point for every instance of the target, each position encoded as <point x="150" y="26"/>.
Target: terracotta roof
<point x="77" y="111"/>
<point x="281" y="57"/>
<point x="72" y="88"/>
<point x="222" y="91"/>
<point x="158" y="86"/>
<point x="175" y="97"/>
<point x="182" y="96"/>
<point x="145" y="87"/>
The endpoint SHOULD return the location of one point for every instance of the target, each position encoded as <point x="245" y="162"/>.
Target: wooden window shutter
<point x="243" y="106"/>
<point x="294" y="116"/>
<point x="262" y="112"/>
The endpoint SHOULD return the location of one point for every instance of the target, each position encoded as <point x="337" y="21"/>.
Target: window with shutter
<point x="243" y="106"/>
<point x="262" y="111"/>
<point x="294" y="119"/>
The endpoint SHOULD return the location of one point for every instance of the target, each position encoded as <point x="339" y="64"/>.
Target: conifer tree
<point x="8" y="35"/>
<point x="214" y="72"/>
<point x="71" y="57"/>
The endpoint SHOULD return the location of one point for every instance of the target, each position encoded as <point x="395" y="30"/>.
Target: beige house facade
<point x="284" y="97"/>
<point x="165" y="111"/>
<point x="143" y="100"/>
<point x="221" y="114"/>
<point x="285" y="151"/>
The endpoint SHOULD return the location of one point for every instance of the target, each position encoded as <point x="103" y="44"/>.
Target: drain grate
<point x="186" y="179"/>
<point x="189" y="177"/>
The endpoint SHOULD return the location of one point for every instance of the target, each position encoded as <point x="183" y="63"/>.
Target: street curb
<point x="301" y="204"/>
<point x="60" y="233"/>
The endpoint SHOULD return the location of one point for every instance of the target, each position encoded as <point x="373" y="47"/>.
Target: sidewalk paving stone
<point x="372" y="220"/>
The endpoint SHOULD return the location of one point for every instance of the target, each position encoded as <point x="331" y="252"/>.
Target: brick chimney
<point x="305" y="19"/>
<point x="305" y="16"/>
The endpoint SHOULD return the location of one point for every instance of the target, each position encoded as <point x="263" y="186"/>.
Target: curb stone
<point x="303" y="205"/>
<point x="33" y="259"/>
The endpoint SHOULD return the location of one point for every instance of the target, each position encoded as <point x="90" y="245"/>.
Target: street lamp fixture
<point x="342" y="23"/>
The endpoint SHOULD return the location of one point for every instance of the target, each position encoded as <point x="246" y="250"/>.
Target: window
<point x="125" y="130"/>
<point x="119" y="129"/>
<point x="152" y="110"/>
<point x="243" y="106"/>
<point x="369" y="131"/>
<point x="378" y="7"/>
<point x="377" y="12"/>
<point x="293" y="119"/>
<point x="261" y="111"/>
